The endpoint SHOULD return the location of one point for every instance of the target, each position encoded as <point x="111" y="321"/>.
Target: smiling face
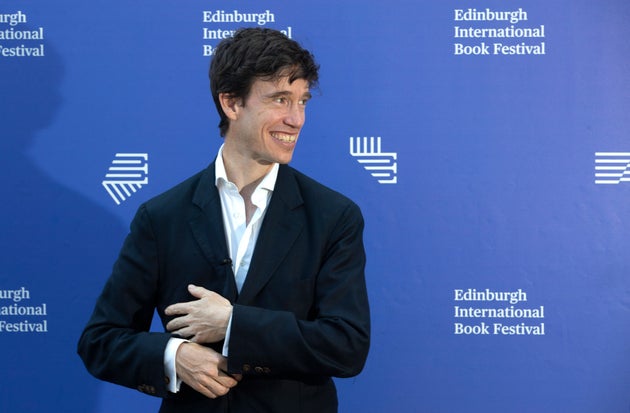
<point x="264" y="128"/>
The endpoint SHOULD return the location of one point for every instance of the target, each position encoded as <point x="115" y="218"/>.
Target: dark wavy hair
<point x="257" y="53"/>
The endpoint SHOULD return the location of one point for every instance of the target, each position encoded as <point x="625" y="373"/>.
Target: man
<point x="256" y="271"/>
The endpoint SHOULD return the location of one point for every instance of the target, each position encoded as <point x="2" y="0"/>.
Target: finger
<point x="226" y="379"/>
<point x="216" y="385"/>
<point x="217" y="389"/>
<point x="178" y="309"/>
<point x="177" y="323"/>
<point x="206" y="392"/>
<point x="222" y="365"/>
<point x="235" y="378"/>
<point x="199" y="292"/>
<point x="212" y="389"/>
<point x="186" y="333"/>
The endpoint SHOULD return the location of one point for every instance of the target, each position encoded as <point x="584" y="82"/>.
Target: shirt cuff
<point x="226" y="342"/>
<point x="169" y="363"/>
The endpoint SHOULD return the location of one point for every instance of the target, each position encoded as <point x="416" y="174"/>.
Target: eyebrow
<point x="284" y="93"/>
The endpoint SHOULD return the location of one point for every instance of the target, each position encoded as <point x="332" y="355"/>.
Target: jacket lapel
<point x="206" y="224"/>
<point x="282" y="224"/>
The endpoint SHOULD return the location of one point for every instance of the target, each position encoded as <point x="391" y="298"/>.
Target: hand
<point x="201" y="321"/>
<point x="204" y="370"/>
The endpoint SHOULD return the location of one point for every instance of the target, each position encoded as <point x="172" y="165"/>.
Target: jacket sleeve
<point x="332" y="338"/>
<point x="116" y="344"/>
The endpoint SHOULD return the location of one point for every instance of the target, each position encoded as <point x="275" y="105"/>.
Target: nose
<point x="295" y="116"/>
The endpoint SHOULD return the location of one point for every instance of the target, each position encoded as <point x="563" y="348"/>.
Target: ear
<point x="230" y="105"/>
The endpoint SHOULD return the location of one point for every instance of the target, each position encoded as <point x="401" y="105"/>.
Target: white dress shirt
<point x="241" y="239"/>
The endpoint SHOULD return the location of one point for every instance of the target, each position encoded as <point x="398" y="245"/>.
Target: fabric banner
<point x="485" y="141"/>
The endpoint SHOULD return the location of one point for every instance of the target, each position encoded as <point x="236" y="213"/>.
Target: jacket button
<point x="258" y="370"/>
<point x="145" y="388"/>
<point x="246" y="368"/>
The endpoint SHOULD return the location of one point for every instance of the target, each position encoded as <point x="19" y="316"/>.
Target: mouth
<point x="284" y="137"/>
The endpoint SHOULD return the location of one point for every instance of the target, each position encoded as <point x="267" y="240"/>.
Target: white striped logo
<point x="128" y="173"/>
<point x="381" y="165"/>
<point x="612" y="167"/>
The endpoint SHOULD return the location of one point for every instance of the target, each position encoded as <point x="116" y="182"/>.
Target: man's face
<point x="268" y="123"/>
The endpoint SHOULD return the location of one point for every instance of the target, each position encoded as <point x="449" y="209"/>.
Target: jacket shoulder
<point x="316" y="193"/>
<point x="177" y="197"/>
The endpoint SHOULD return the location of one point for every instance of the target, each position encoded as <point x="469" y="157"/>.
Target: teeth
<point x="284" y="138"/>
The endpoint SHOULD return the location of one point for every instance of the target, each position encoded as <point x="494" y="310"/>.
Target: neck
<point x="244" y="172"/>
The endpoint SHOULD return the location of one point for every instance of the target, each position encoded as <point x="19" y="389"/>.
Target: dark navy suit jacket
<point x="301" y="317"/>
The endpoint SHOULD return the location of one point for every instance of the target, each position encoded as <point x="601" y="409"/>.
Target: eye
<point x="282" y="100"/>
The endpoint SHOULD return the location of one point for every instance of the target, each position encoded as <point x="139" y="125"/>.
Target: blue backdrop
<point x="478" y="175"/>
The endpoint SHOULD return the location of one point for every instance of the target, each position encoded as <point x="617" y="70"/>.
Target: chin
<point x="284" y="158"/>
